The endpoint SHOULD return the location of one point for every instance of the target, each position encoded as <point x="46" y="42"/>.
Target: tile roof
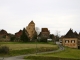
<point x="70" y="34"/>
<point x="45" y="30"/>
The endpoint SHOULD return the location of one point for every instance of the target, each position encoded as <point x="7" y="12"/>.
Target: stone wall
<point x="70" y="42"/>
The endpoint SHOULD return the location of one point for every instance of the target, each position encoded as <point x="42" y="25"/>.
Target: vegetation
<point x="43" y="39"/>
<point x="12" y="38"/>
<point x="17" y="48"/>
<point x="4" y="50"/>
<point x="35" y="36"/>
<point x="67" y="54"/>
<point x="47" y="58"/>
<point x="24" y="37"/>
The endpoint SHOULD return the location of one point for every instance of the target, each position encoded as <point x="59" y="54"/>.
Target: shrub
<point x="12" y="38"/>
<point x="4" y="50"/>
<point x="43" y="40"/>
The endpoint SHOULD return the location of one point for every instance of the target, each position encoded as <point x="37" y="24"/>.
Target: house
<point x="18" y="34"/>
<point x="70" y="39"/>
<point x="4" y="36"/>
<point x="44" y="33"/>
<point x="79" y="41"/>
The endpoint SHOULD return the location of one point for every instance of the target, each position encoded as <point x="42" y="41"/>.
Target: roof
<point x="70" y="34"/>
<point x="3" y="32"/>
<point x="18" y="34"/>
<point x="76" y="33"/>
<point x="45" y="30"/>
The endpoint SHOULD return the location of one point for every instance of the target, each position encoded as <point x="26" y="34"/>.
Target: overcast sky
<point x="56" y="15"/>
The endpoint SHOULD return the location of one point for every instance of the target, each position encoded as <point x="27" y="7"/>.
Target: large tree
<point x="37" y="30"/>
<point x="24" y="37"/>
<point x="57" y="35"/>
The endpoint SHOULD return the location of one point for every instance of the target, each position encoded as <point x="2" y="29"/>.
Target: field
<point x="17" y="48"/>
<point x="67" y="54"/>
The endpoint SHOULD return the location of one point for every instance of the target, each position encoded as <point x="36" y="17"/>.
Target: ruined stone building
<point x="31" y="30"/>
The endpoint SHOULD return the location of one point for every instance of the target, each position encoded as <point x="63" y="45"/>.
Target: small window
<point x="72" y="41"/>
<point x="66" y="41"/>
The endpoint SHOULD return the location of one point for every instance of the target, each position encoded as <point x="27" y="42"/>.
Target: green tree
<point x="12" y="38"/>
<point x="24" y="37"/>
<point x="43" y="39"/>
<point x="34" y="36"/>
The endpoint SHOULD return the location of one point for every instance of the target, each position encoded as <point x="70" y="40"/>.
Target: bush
<point x="12" y="38"/>
<point x="43" y="40"/>
<point x="4" y="50"/>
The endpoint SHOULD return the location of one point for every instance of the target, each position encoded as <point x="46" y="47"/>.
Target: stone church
<point x="31" y="30"/>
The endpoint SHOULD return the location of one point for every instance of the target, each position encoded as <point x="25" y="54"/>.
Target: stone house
<point x="44" y="33"/>
<point x="18" y="34"/>
<point x="71" y="39"/>
<point x="4" y="36"/>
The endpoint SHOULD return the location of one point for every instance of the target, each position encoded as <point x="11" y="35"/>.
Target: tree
<point x="37" y="30"/>
<point x="57" y="35"/>
<point x="35" y="36"/>
<point x="12" y="38"/>
<point x="24" y="37"/>
<point x="43" y="39"/>
<point x="51" y="36"/>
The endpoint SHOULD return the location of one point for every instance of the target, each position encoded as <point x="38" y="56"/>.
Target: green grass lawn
<point x="19" y="48"/>
<point x="67" y="54"/>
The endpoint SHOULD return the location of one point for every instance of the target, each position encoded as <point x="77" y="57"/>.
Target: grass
<point x="17" y="48"/>
<point x="67" y="54"/>
<point x="47" y="58"/>
<point x="26" y="42"/>
<point x="26" y="46"/>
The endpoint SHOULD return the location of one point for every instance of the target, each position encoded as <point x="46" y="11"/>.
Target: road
<point x="22" y="56"/>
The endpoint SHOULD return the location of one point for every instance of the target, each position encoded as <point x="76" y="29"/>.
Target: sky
<point x="56" y="15"/>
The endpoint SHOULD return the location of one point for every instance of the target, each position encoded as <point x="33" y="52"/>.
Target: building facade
<point x="44" y="33"/>
<point x="31" y="29"/>
<point x="4" y="36"/>
<point x="70" y="39"/>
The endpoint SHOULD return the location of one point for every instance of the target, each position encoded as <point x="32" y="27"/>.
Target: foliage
<point x="34" y="36"/>
<point x="57" y="38"/>
<point x="31" y="50"/>
<point x="12" y="38"/>
<point x="51" y="36"/>
<point x="37" y="30"/>
<point x="43" y="39"/>
<point x="20" y="48"/>
<point x="4" y="50"/>
<point x="24" y="37"/>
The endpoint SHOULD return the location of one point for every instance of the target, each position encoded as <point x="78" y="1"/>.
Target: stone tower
<point x="31" y="29"/>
